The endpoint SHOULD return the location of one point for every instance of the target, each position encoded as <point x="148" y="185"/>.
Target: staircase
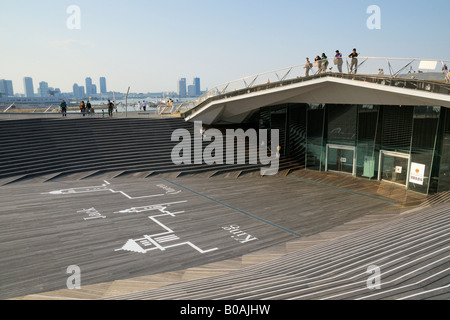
<point x="88" y="147"/>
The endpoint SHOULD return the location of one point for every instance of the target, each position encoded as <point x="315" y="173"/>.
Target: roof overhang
<point x="329" y="90"/>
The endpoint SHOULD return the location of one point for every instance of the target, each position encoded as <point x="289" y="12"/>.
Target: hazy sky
<point x="148" y="44"/>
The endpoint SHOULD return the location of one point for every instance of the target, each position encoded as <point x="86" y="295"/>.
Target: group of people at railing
<point x="86" y="108"/>
<point x="322" y="63"/>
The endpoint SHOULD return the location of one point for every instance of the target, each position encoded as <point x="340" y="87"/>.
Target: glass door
<point x="394" y="167"/>
<point x="341" y="159"/>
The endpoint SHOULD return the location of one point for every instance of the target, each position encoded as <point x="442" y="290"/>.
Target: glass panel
<point x="340" y="160"/>
<point x="395" y="169"/>
<point x="315" y="148"/>
<point x="341" y="124"/>
<point x="444" y="150"/>
<point x="278" y="121"/>
<point x="397" y="128"/>
<point x="367" y="130"/>
<point x="425" y="127"/>
<point x="297" y="132"/>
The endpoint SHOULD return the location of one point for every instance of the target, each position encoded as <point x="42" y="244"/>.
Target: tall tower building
<point x="9" y="88"/>
<point x="6" y="88"/>
<point x="28" y="87"/>
<point x="89" y="87"/>
<point x="103" y="85"/>
<point x="192" y="92"/>
<point x="182" y="88"/>
<point x="76" y="91"/>
<point x="43" y="89"/>
<point x="197" y="86"/>
<point x="81" y="92"/>
<point x="3" y="87"/>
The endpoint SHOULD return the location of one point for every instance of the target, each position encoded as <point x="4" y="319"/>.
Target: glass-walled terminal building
<point x="405" y="145"/>
<point x="382" y="128"/>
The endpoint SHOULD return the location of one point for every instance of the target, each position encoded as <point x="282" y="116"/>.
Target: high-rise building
<point x="78" y="91"/>
<point x="89" y="89"/>
<point x="9" y="88"/>
<point x="28" y="87"/>
<point x="6" y="88"/>
<point x="197" y="86"/>
<point x="81" y="91"/>
<point x="182" y="88"/>
<point x="43" y="90"/>
<point x="103" y="85"/>
<point x="192" y="92"/>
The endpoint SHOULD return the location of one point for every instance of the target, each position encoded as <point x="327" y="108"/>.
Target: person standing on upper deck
<point x="324" y="62"/>
<point x="308" y="67"/>
<point x="318" y="63"/>
<point x="338" y="60"/>
<point x="354" y="56"/>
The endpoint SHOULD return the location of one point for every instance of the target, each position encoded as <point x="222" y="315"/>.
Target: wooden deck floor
<point x="128" y="235"/>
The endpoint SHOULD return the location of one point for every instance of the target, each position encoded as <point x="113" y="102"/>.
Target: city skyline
<point x="148" y="45"/>
<point x="90" y="88"/>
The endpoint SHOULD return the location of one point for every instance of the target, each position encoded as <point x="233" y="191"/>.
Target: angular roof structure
<point x="330" y="88"/>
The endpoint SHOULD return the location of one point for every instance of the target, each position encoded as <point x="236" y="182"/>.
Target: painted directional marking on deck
<point x="153" y="242"/>
<point x="147" y="242"/>
<point x="105" y="187"/>
<point x="161" y="207"/>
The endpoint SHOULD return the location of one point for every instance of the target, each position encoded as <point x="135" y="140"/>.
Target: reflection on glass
<point x="395" y="169"/>
<point x="340" y="160"/>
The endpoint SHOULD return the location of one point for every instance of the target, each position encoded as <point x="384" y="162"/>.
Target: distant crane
<point x="53" y="92"/>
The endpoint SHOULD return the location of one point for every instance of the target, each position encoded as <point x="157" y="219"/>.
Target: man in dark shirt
<point x="63" y="108"/>
<point x="89" y="107"/>
<point x="110" y="108"/>
<point x="354" y="63"/>
<point x="338" y="60"/>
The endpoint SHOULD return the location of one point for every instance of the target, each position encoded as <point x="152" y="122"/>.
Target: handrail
<point x="429" y="86"/>
<point x="397" y="68"/>
<point x="9" y="107"/>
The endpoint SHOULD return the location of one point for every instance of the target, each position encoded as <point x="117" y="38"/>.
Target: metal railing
<point x="427" y="71"/>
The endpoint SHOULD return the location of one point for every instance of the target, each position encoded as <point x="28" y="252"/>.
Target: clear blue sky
<point x="148" y="45"/>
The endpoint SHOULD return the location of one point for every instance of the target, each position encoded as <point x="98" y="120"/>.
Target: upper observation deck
<point x="366" y="80"/>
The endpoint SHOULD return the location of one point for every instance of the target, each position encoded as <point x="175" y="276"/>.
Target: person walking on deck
<point x="110" y="108"/>
<point x="63" y="108"/>
<point x="89" y="107"/>
<point x="83" y="108"/>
